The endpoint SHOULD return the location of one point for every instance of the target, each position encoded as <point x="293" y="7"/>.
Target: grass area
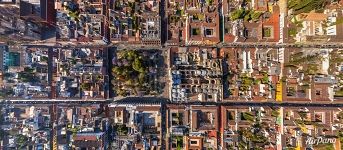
<point x="339" y="92"/>
<point x="297" y="23"/>
<point x="339" y="20"/>
<point x="335" y="57"/>
<point x="292" y="32"/>
<point x="246" y="82"/>
<point x="267" y="32"/>
<point x="275" y="113"/>
<point x="253" y="137"/>
<point x="237" y="14"/>
<point x="302" y="123"/>
<point x="252" y="15"/>
<point x="247" y="116"/>
<point x="265" y="79"/>
<point x="305" y="6"/>
<point x="311" y="69"/>
<point x="209" y="2"/>
<point x="297" y="55"/>
<point x="247" y="15"/>
<point x="196" y="31"/>
<point x="299" y="59"/>
<point x="198" y="17"/>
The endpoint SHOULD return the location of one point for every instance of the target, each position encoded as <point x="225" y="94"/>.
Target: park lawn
<point x="292" y="32"/>
<point x="305" y="6"/>
<point x="339" y="93"/>
<point x="196" y="31"/>
<point x="267" y="32"/>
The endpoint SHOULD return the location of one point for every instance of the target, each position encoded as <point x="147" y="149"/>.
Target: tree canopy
<point x="247" y="15"/>
<point x="131" y="72"/>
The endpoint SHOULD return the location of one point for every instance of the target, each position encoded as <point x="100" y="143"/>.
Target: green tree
<point x="21" y="140"/>
<point x="305" y="6"/>
<point x="44" y="58"/>
<point x="28" y="69"/>
<point x="247" y="16"/>
<point x="256" y="15"/>
<point x="248" y="116"/>
<point x="302" y="114"/>
<point x="129" y="82"/>
<point x="138" y="65"/>
<point x="237" y="14"/>
<point x="292" y="32"/>
<point x="275" y="113"/>
<point x="141" y="77"/>
<point x="121" y="129"/>
<point x="209" y="2"/>
<point x="117" y="70"/>
<point x="131" y="55"/>
<point x="85" y="86"/>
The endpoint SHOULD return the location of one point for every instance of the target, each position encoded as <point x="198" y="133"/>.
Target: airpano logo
<point x="320" y="140"/>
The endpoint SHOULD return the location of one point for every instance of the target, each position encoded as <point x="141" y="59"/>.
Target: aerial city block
<point x="171" y="74"/>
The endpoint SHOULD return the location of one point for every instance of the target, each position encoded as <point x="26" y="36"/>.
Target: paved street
<point x="220" y="45"/>
<point x="147" y="100"/>
<point x="51" y="101"/>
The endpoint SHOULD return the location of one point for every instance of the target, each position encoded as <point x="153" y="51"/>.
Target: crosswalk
<point x="281" y="55"/>
<point x="282" y="25"/>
